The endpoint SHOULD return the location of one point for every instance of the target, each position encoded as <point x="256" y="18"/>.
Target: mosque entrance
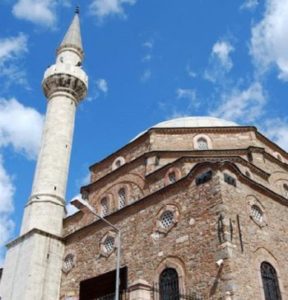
<point x="102" y="287"/>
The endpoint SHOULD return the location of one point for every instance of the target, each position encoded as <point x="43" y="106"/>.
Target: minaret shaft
<point x="32" y="269"/>
<point x="48" y="192"/>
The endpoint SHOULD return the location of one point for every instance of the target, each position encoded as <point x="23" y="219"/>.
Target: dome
<point x="187" y="122"/>
<point x="195" y="122"/>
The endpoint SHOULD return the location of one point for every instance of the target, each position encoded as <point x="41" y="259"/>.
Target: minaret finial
<point x="77" y="10"/>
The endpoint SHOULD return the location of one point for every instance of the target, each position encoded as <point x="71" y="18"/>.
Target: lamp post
<point x="83" y="203"/>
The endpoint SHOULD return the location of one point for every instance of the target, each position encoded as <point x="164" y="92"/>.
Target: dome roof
<point x="191" y="122"/>
<point x="195" y="122"/>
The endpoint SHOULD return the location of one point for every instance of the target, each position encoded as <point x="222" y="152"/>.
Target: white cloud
<point x="221" y="50"/>
<point x="7" y="190"/>
<point x="190" y="72"/>
<point x="11" y="51"/>
<point x="40" y="12"/>
<point x="20" y="127"/>
<point x="242" y="105"/>
<point x="105" y="8"/>
<point x="249" y="4"/>
<point x="220" y="62"/>
<point x="146" y="75"/>
<point x="102" y="85"/>
<point x="269" y="42"/>
<point x="276" y="130"/>
<point x="186" y="94"/>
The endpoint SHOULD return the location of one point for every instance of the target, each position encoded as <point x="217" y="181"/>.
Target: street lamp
<point x="80" y="204"/>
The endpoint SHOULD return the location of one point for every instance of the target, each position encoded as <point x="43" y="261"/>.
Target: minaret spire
<point x="72" y="39"/>
<point x="32" y="268"/>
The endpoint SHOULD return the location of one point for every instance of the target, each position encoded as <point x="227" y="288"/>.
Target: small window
<point x="122" y="197"/>
<point x="157" y="160"/>
<point x="202" y="144"/>
<point x="118" y="163"/>
<point x="279" y="157"/>
<point x="167" y="219"/>
<point x="248" y="174"/>
<point x="203" y="177"/>
<point x="68" y="262"/>
<point x="109" y="243"/>
<point x="285" y="190"/>
<point x="172" y="177"/>
<point x="104" y="207"/>
<point x="256" y="213"/>
<point x="229" y="179"/>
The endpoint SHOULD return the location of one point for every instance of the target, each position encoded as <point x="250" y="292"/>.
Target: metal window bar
<point x="170" y="295"/>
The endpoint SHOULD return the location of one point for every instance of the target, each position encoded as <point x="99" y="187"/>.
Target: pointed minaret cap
<point x="72" y="38"/>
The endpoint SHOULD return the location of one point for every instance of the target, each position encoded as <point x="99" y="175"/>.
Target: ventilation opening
<point x="204" y="177"/>
<point x="229" y="179"/>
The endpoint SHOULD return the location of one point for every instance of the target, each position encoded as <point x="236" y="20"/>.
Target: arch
<point x="261" y="255"/>
<point x="118" y="162"/>
<point x="270" y="281"/>
<point x="169" y="285"/>
<point x="172" y="175"/>
<point x="104" y="207"/>
<point x="202" y="142"/>
<point x="173" y="263"/>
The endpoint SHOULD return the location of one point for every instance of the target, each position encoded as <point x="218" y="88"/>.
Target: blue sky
<point x="147" y="61"/>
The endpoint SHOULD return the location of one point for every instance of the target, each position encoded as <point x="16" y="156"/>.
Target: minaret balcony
<point x="65" y="77"/>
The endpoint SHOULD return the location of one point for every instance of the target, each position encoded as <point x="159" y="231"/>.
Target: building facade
<point x="201" y="204"/>
<point x="202" y="208"/>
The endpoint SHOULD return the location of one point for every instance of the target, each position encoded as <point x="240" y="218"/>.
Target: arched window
<point x="172" y="177"/>
<point x="257" y="213"/>
<point x="169" y="285"/>
<point x="122" y="197"/>
<point x="104" y="207"/>
<point x="202" y="144"/>
<point x="270" y="282"/>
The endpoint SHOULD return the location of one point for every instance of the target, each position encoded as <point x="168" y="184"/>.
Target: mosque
<point x="192" y="208"/>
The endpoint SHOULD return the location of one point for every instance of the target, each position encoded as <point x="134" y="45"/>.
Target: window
<point x="172" y="177"/>
<point x="256" y="213"/>
<point x="157" y="160"/>
<point x="118" y="163"/>
<point x="202" y="144"/>
<point x="285" y="190"/>
<point x="203" y="177"/>
<point x="122" y="197"/>
<point x="68" y="262"/>
<point x="248" y="174"/>
<point x="104" y="207"/>
<point x="167" y="218"/>
<point x="109" y="243"/>
<point x="169" y="285"/>
<point x="270" y="282"/>
<point x="229" y="179"/>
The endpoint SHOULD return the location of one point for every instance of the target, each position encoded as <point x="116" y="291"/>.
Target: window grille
<point x="122" y="197"/>
<point x="109" y="243"/>
<point x="169" y="285"/>
<point x="202" y="144"/>
<point x="68" y="262"/>
<point x="229" y="179"/>
<point x="257" y="213"/>
<point x="104" y="207"/>
<point x="203" y="177"/>
<point x="172" y="177"/>
<point x="167" y="218"/>
<point x="270" y="282"/>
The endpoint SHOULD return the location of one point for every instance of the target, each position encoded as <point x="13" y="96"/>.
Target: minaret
<point x="32" y="268"/>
